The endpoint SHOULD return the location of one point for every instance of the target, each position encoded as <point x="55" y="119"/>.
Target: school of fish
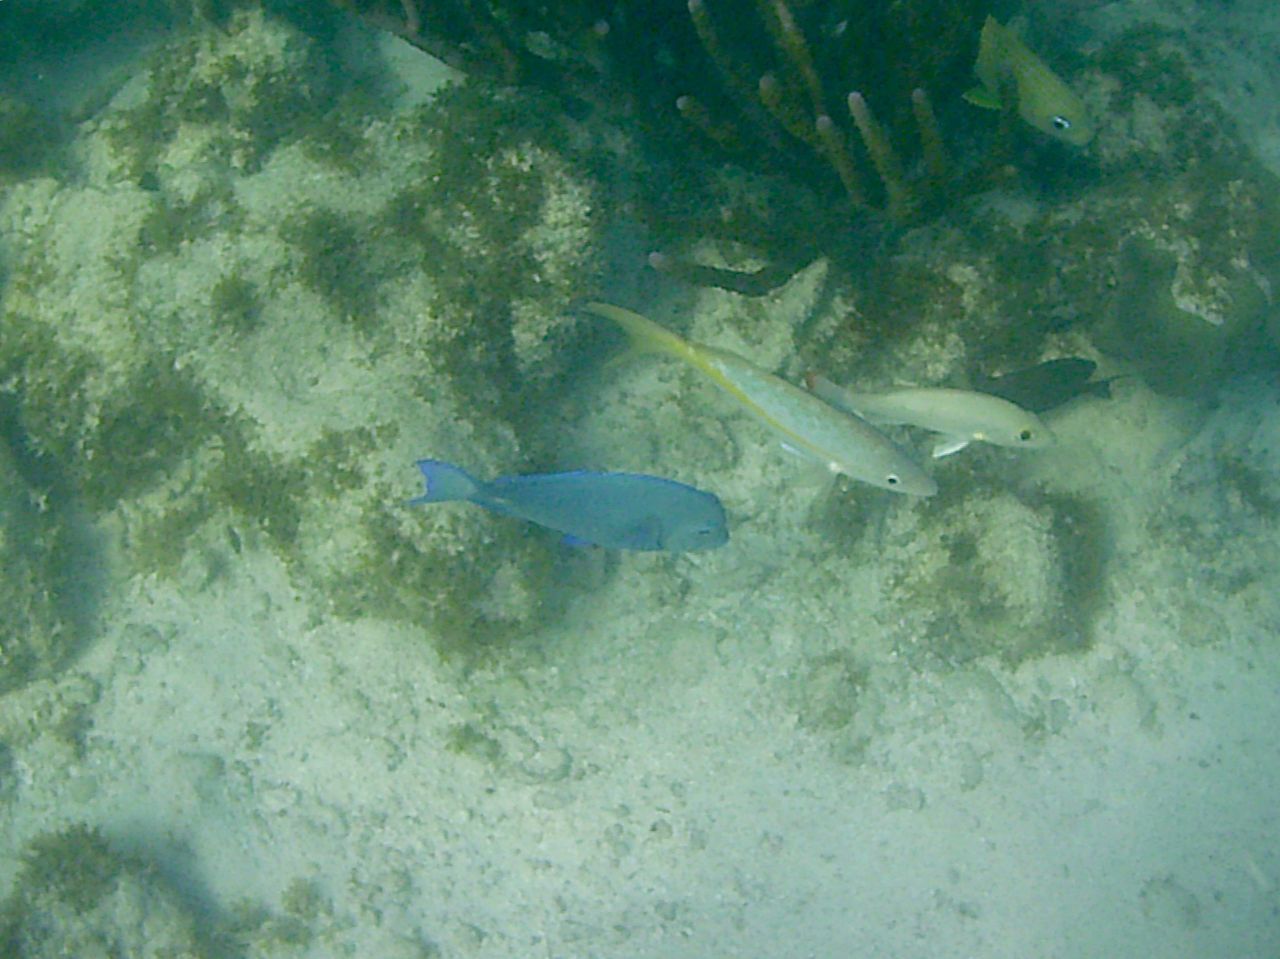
<point x="835" y="427"/>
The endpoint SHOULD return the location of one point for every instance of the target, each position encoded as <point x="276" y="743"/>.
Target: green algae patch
<point x="507" y="226"/>
<point x="237" y="92"/>
<point x="263" y="296"/>
<point x="45" y="619"/>
<point x="76" y="895"/>
<point x="992" y="573"/>
<point x="470" y="581"/>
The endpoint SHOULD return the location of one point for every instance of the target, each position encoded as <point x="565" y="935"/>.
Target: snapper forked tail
<point x="644" y="335"/>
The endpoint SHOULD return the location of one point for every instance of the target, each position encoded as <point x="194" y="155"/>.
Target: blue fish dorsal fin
<point x="445" y="482"/>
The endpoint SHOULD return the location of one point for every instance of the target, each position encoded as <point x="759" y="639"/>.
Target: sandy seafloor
<point x="661" y="786"/>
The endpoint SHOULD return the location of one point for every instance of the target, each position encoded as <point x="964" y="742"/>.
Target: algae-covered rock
<point x="1159" y="247"/>
<point x="23" y="135"/>
<point x="506" y="219"/>
<point x="38" y="632"/>
<point x="77" y="896"/>
<point x="264" y="294"/>
<point x="998" y="574"/>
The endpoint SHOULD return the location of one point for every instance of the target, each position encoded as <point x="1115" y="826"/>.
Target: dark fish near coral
<point x="1046" y="385"/>
<point x="615" y="510"/>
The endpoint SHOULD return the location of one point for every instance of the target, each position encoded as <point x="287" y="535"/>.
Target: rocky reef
<point x="263" y="281"/>
<point x="204" y="305"/>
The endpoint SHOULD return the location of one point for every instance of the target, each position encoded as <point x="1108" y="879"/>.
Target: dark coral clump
<point x="712" y="89"/>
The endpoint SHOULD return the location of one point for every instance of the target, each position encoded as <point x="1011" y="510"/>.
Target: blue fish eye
<point x="1061" y="123"/>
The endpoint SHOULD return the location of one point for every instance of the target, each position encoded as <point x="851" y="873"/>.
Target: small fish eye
<point x="892" y="479"/>
<point x="1025" y="436"/>
<point x="1061" y="123"/>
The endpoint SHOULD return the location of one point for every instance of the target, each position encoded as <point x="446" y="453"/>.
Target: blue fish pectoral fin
<point x="577" y="542"/>
<point x="646" y="534"/>
<point x="948" y="445"/>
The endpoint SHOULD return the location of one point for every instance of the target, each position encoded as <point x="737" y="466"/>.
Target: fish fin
<point x="829" y="393"/>
<point x="810" y="459"/>
<point x="948" y="445"/>
<point x="982" y="97"/>
<point x="1101" y="388"/>
<point x="987" y="64"/>
<point x="445" y="482"/>
<point x="647" y="534"/>
<point x="814" y="479"/>
<point x="577" y="542"/>
<point x="644" y="335"/>
<point x="623" y="356"/>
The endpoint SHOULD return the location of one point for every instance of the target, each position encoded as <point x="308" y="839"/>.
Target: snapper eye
<point x="1060" y="122"/>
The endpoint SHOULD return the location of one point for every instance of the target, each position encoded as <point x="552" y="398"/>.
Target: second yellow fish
<point x="842" y="442"/>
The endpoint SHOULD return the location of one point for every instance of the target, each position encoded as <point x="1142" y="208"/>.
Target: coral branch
<point x="791" y="44"/>
<point x="833" y="148"/>
<point x="936" y="160"/>
<point x="697" y="115"/>
<point x="782" y="109"/>
<point x="882" y="156"/>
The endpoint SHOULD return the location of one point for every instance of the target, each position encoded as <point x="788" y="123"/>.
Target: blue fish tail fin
<point x="445" y="482"/>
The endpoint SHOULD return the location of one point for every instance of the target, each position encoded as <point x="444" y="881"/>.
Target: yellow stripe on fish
<point x="960" y="415"/>
<point x="842" y="442"/>
<point x="1006" y="64"/>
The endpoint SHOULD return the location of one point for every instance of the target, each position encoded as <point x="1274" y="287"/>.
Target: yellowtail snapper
<point x="841" y="442"/>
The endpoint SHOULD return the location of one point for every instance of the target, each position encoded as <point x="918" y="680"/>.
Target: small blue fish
<point x="616" y="510"/>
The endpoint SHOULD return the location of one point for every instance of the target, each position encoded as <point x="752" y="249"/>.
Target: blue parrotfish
<point x="614" y="510"/>
<point x="1007" y="68"/>
<point x="961" y="416"/>
<point x="840" y="441"/>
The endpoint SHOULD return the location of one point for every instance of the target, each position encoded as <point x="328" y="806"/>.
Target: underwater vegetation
<point x="204" y="277"/>
<point x="78" y="893"/>
<point x="1001" y="574"/>
<point x="42" y="627"/>
<point x="254" y="249"/>
<point x="1162" y="263"/>
<point x="76" y="896"/>
<point x="793" y="129"/>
